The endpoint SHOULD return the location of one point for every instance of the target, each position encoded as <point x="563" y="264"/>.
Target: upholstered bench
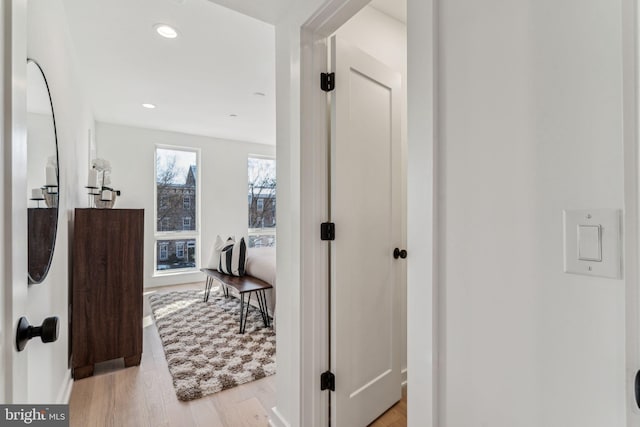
<point x="244" y="285"/>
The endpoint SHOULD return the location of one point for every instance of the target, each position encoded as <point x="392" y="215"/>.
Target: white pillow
<point x="214" y="259"/>
<point x="233" y="258"/>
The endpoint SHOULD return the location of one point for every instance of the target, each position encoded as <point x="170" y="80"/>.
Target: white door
<point x="13" y="202"/>
<point x="365" y="206"/>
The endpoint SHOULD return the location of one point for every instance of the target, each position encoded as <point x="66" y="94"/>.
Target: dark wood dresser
<point x="106" y="297"/>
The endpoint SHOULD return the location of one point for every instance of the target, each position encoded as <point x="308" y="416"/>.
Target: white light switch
<point x="589" y="243"/>
<point x="593" y="242"/>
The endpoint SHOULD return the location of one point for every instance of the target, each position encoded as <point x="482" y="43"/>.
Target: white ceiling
<point x="264" y="10"/>
<point x="395" y="8"/>
<point x="212" y="70"/>
<point x="221" y="58"/>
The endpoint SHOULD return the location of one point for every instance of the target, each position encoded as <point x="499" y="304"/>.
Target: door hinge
<point x="327" y="231"/>
<point x="327" y="81"/>
<point x="328" y="381"/>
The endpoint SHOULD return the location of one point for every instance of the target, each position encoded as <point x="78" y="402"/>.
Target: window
<point x="176" y="213"/>
<point x="163" y="252"/>
<point x="262" y="201"/>
<point x="164" y="224"/>
<point x="172" y="256"/>
<point x="191" y="250"/>
<point x="180" y="249"/>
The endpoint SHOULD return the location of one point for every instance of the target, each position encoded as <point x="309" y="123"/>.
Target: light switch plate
<point x="592" y="242"/>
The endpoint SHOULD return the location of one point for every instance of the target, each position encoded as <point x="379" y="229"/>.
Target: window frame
<point x="181" y="234"/>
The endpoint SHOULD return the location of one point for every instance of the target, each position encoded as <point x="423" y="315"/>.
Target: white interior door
<point x="366" y="207"/>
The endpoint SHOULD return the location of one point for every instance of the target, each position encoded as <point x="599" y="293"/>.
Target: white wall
<point x="385" y="38"/>
<point x="39" y="149"/>
<point x="49" y="44"/>
<point x="223" y="186"/>
<point x="531" y="124"/>
<point x="528" y="122"/>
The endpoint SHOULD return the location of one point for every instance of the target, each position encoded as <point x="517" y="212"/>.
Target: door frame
<point x="423" y="327"/>
<point x="14" y="201"/>
<point x="631" y="126"/>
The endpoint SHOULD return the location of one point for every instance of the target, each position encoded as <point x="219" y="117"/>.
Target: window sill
<point x="175" y="272"/>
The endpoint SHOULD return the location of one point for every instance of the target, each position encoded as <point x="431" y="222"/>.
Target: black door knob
<point x="48" y="331"/>
<point x="399" y="253"/>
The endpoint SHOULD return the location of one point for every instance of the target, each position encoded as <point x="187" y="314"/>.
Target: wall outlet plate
<point x="609" y="223"/>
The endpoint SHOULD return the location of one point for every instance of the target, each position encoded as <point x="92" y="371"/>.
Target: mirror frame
<point x="55" y="136"/>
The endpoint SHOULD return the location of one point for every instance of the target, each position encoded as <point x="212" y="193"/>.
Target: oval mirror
<point x="42" y="174"/>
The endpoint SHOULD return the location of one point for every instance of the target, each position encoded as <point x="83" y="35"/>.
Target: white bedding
<point x="261" y="263"/>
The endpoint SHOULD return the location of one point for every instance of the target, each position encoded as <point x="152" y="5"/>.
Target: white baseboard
<point x="277" y="420"/>
<point x="403" y="377"/>
<point x="64" y="395"/>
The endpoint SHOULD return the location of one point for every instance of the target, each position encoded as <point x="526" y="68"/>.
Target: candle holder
<point x="102" y="201"/>
<point x="51" y="200"/>
<point x="37" y="195"/>
<point x="91" y="194"/>
<point x="50" y="194"/>
<point x="101" y="196"/>
<point x="37" y="200"/>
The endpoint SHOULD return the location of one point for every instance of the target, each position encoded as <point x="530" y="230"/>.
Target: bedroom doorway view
<point x="182" y="104"/>
<point x="169" y="180"/>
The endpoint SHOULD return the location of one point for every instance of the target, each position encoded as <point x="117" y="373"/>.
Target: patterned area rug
<point x="203" y="346"/>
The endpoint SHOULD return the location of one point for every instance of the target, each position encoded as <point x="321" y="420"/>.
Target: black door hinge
<point x="327" y="231"/>
<point x="327" y="81"/>
<point x="328" y="381"/>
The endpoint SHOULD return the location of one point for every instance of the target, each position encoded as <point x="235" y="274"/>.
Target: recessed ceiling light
<point x="166" y="31"/>
<point x="259" y="93"/>
<point x="150" y="106"/>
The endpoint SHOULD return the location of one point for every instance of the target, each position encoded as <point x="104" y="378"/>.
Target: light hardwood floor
<point x="396" y="416"/>
<point x="143" y="395"/>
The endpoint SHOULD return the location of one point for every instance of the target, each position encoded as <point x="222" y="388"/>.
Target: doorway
<point x="360" y="31"/>
<point x="309" y="407"/>
<point x="367" y="203"/>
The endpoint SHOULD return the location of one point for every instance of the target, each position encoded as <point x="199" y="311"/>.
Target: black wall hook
<point x="48" y="331"/>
